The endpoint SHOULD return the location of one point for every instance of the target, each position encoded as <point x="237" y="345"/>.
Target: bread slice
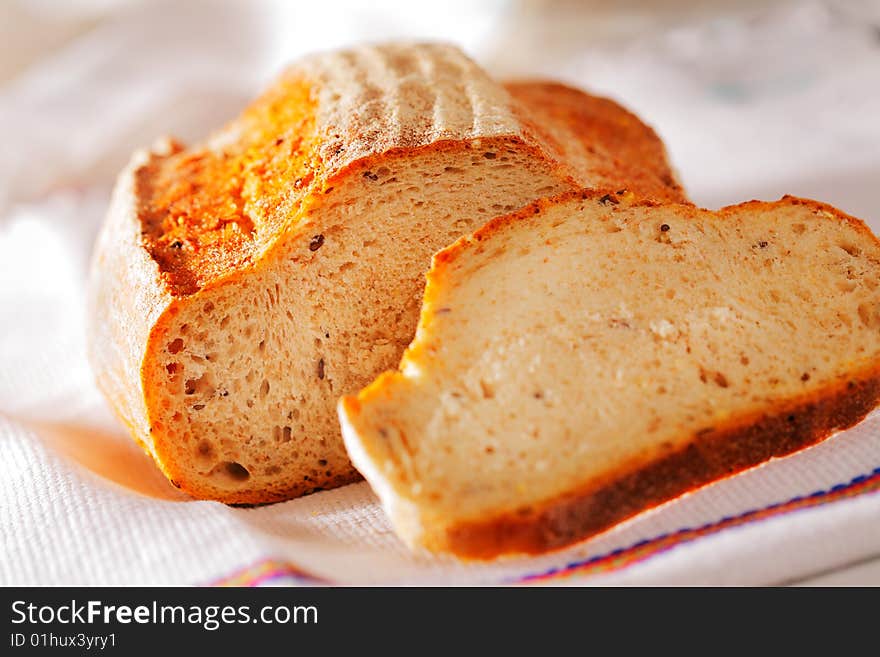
<point x="240" y="287"/>
<point x="585" y="359"/>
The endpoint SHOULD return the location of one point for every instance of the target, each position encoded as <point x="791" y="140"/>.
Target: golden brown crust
<point x="207" y="211"/>
<point x="819" y="206"/>
<point x="712" y="454"/>
<point x="610" y="142"/>
<point x="123" y="308"/>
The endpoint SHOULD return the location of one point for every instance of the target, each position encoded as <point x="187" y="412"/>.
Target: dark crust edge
<point x="707" y="457"/>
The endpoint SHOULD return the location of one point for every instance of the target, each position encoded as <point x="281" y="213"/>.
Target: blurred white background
<point x="753" y="99"/>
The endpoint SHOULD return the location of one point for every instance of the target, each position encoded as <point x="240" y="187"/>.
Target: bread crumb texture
<point x="241" y="286"/>
<point x="582" y="360"/>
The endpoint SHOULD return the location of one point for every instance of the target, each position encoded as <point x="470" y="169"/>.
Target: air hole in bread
<point x="175" y="346"/>
<point x="231" y="471"/>
<point x="851" y="249"/>
<point x="201" y="386"/>
<point x="869" y="314"/>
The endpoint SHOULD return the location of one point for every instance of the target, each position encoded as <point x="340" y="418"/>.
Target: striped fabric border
<point x="270" y="571"/>
<point x="276" y="571"/>
<point x="623" y="557"/>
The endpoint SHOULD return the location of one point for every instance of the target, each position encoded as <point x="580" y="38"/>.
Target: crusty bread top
<point x="373" y="99"/>
<point x="210" y="210"/>
<point x="206" y="211"/>
<point x="609" y="141"/>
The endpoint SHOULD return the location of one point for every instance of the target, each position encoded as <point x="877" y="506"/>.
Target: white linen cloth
<point x="752" y="104"/>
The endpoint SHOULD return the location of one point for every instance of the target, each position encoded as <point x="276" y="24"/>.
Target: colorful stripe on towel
<point x="281" y="572"/>
<point x="270" y="572"/>
<point x="623" y="557"/>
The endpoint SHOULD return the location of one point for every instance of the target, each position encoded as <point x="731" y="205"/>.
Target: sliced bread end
<point x="540" y="404"/>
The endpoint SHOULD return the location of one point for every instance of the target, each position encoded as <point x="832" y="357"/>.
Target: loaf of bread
<point x="587" y="358"/>
<point x="239" y="287"/>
